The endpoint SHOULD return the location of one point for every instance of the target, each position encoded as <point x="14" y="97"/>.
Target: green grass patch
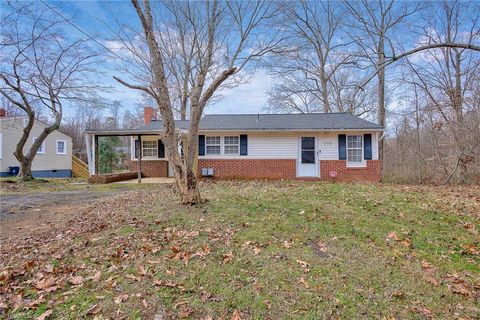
<point x="284" y="250"/>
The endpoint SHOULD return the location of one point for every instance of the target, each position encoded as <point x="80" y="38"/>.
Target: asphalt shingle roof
<point x="311" y="121"/>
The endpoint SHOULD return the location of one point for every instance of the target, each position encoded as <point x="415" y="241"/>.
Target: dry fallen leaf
<point x="143" y="272"/>
<point x="45" y="315"/>
<point x="392" y="235"/>
<point x="17" y="301"/>
<point x="256" y="250"/>
<point x="433" y="281"/>
<point x="236" y="315"/>
<point x="458" y="285"/>
<point x="302" y="263"/>
<point x="227" y="257"/>
<point x="304" y="282"/>
<point x="287" y="244"/>
<point x="96" y="276"/>
<point x="49" y="268"/>
<point x="322" y="246"/>
<point x="95" y="309"/>
<point x="121" y="298"/>
<point x="45" y="283"/>
<point x="76" y="280"/>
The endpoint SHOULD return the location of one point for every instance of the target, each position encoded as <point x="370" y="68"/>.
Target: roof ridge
<point x="276" y="114"/>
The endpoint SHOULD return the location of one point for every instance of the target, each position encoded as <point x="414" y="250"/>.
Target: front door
<point x="307" y="157"/>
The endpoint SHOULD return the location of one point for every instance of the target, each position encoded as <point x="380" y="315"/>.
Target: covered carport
<point x="92" y="143"/>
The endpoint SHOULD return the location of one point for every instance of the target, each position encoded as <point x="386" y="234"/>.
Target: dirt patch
<point x="24" y="213"/>
<point x="321" y="250"/>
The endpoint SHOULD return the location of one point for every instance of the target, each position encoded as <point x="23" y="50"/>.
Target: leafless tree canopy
<point x="42" y="68"/>
<point x="403" y="64"/>
<point x="183" y="54"/>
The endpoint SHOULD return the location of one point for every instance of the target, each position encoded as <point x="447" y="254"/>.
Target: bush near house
<point x="256" y="250"/>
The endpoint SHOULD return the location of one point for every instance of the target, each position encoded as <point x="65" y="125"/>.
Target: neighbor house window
<point x="212" y="145"/>
<point x="355" y="149"/>
<point x="231" y="144"/>
<point x="61" y="147"/>
<point x="149" y="148"/>
<point x="41" y="149"/>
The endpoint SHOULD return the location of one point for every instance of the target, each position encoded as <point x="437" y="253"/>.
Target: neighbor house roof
<point x="270" y="122"/>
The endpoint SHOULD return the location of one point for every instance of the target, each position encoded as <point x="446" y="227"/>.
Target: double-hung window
<point x="41" y="149"/>
<point x="149" y="148"/>
<point x="355" y="149"/>
<point x="61" y="147"/>
<point x="212" y="145"/>
<point x="231" y="144"/>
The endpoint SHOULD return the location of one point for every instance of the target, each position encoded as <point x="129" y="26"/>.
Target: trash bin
<point x="14" y="170"/>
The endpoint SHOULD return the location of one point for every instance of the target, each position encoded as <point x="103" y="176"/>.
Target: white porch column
<point x="91" y="164"/>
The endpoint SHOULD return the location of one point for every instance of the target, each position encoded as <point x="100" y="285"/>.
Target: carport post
<point x="96" y="154"/>
<point x="139" y="158"/>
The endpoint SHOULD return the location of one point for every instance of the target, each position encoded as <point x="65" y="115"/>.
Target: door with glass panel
<point x="307" y="163"/>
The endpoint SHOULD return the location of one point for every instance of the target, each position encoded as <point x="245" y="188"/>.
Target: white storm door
<point x="307" y="163"/>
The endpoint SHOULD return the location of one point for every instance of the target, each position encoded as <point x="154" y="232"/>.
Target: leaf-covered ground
<point x="256" y="250"/>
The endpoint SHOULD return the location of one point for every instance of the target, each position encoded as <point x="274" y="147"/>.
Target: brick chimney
<point x="3" y="113"/>
<point x="149" y="115"/>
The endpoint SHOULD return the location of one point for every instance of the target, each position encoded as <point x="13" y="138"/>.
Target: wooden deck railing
<point x="79" y="168"/>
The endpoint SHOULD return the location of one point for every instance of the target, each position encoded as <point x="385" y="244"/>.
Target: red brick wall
<point x="286" y="169"/>
<point x="250" y="168"/>
<point x="112" y="177"/>
<point x="268" y="169"/>
<point x="372" y="173"/>
<point x="151" y="168"/>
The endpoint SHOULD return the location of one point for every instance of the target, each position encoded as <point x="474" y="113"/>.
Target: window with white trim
<point x="212" y="145"/>
<point x="149" y="148"/>
<point x="231" y="144"/>
<point x="355" y="149"/>
<point x="61" y="147"/>
<point x="41" y="149"/>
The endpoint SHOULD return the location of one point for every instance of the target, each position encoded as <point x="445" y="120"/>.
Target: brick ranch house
<point x="260" y="146"/>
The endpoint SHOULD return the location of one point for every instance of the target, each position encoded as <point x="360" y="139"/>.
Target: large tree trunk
<point x="25" y="173"/>
<point x="188" y="188"/>
<point x="381" y="97"/>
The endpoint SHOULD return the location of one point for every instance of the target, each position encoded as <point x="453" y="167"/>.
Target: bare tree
<point x="444" y="80"/>
<point x="42" y="68"/>
<point x="217" y="41"/>
<point x="371" y="28"/>
<point x="313" y="50"/>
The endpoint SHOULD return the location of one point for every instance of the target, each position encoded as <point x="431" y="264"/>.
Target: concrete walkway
<point x="150" y="180"/>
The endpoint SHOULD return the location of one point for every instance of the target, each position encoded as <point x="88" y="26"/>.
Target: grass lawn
<point x="10" y="185"/>
<point x="256" y="250"/>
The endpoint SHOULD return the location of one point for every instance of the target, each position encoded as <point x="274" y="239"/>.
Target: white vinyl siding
<point x="272" y="146"/>
<point x="375" y="145"/>
<point x="284" y="145"/>
<point x="328" y="146"/>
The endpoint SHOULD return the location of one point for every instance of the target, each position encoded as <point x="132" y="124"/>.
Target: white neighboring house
<point x="53" y="159"/>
